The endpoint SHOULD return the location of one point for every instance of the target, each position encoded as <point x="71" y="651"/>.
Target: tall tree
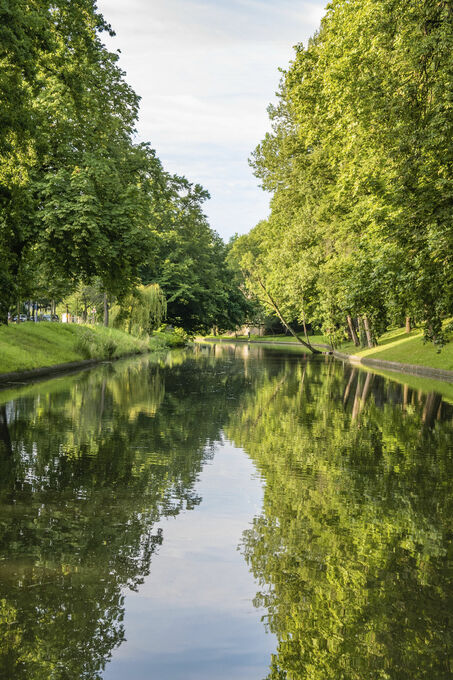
<point x="74" y="186"/>
<point x="360" y="160"/>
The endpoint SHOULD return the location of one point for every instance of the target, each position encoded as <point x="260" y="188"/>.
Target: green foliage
<point x="262" y="265"/>
<point x="81" y="204"/>
<point x="83" y="301"/>
<point x="74" y="185"/>
<point x="142" y="311"/>
<point x="92" y="346"/>
<point x="359" y="164"/>
<point x="190" y="263"/>
<point x="175" y="338"/>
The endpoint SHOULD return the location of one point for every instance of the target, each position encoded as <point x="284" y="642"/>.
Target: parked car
<point x="45" y="317"/>
<point x="22" y="317"/>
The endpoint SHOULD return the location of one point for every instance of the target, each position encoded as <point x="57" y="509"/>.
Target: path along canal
<point x="225" y="512"/>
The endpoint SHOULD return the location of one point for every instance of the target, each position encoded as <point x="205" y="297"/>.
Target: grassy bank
<point x="28" y="345"/>
<point x="406" y="348"/>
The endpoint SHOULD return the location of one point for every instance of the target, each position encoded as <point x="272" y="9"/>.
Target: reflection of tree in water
<point x="89" y="466"/>
<point x="353" y="549"/>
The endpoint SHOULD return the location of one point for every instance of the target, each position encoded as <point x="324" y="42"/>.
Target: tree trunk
<point x="356" y="404"/>
<point x="330" y="336"/>
<point x="368" y="332"/>
<point x="106" y="310"/>
<point x="18" y="312"/>
<point x="84" y="315"/>
<point x="3" y="314"/>
<point x="362" y="336"/>
<point x="305" y="331"/>
<point x="352" y="331"/>
<point x="431" y="407"/>
<point x="129" y="325"/>
<point x="302" y="380"/>
<point x="367" y="388"/>
<point x="405" y="397"/>
<point x="102" y="406"/>
<point x="408" y="324"/>
<point x="274" y="305"/>
<point x="361" y="395"/>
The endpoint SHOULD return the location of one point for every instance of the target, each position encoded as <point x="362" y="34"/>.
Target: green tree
<point x="74" y="186"/>
<point x="262" y="270"/>
<point x="360" y="131"/>
<point x="142" y="311"/>
<point x="190" y="261"/>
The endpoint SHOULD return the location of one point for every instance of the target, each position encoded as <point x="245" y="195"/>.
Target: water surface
<point x="225" y="512"/>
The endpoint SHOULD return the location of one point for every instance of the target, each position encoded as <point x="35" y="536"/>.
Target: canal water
<point x="226" y="512"/>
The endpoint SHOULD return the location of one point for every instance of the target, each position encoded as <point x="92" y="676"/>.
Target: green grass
<point x="36" y="345"/>
<point x="406" y="348"/>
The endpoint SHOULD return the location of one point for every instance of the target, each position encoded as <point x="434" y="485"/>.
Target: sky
<point x="206" y="71"/>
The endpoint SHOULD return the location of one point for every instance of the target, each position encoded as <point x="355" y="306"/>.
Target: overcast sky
<point x="206" y="71"/>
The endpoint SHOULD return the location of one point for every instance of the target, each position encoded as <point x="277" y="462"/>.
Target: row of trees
<point x="80" y="201"/>
<point x="359" y="164"/>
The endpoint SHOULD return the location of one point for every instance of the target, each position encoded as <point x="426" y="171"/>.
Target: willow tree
<point x="142" y="311"/>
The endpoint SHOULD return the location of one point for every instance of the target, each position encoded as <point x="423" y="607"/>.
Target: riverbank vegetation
<point x="359" y="166"/>
<point x="29" y="345"/>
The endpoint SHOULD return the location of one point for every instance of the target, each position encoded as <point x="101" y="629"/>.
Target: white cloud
<point x="206" y="71"/>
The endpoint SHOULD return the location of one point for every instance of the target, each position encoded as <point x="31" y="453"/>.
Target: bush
<point x="86" y="343"/>
<point x="167" y="339"/>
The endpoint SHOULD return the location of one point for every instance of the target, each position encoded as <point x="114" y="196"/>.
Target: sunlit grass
<point x="35" y="345"/>
<point x="406" y="348"/>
